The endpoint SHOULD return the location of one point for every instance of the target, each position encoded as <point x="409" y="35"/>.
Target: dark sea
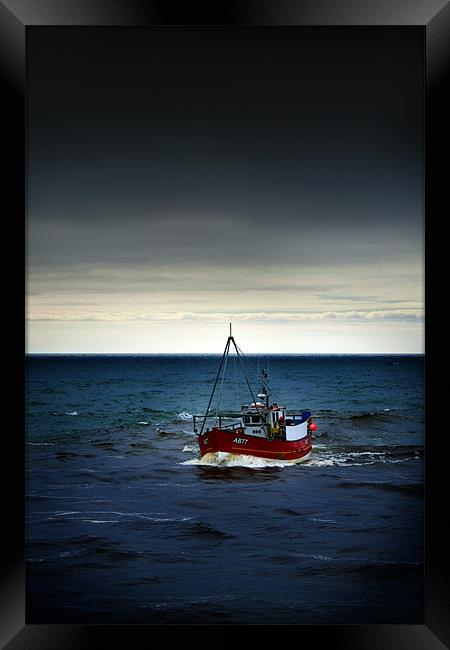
<point x="126" y="525"/>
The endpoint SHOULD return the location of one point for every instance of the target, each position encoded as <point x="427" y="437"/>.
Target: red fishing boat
<point x="261" y="428"/>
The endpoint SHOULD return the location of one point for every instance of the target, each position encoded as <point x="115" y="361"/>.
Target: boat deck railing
<point x="234" y="425"/>
<point x="292" y="418"/>
<point x="218" y="421"/>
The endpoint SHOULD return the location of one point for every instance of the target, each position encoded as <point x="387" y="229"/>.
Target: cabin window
<point x="246" y="419"/>
<point x="255" y="419"/>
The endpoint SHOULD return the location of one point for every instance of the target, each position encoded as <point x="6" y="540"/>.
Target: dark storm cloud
<point x="193" y="240"/>
<point x="199" y="146"/>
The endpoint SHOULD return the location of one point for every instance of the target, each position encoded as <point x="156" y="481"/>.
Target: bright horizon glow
<point x="275" y="338"/>
<point x="327" y="309"/>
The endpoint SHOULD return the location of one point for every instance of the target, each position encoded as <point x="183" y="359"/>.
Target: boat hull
<point x="237" y="442"/>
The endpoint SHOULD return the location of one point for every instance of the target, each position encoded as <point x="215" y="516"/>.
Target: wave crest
<point x="225" y="459"/>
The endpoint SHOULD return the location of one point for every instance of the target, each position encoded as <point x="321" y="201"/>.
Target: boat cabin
<point x="272" y="421"/>
<point x="263" y="420"/>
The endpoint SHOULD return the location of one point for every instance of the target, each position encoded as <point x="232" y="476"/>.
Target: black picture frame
<point x="16" y="16"/>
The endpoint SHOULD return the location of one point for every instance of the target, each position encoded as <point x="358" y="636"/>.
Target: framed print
<point x="264" y="178"/>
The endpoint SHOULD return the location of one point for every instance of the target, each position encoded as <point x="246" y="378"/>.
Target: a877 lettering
<point x="241" y="441"/>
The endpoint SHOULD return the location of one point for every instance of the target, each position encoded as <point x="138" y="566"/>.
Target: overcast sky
<point x="183" y="178"/>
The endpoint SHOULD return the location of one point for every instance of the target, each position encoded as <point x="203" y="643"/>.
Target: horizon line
<point x="220" y="353"/>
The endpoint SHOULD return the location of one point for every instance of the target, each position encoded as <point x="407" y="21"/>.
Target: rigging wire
<point x="225" y="352"/>
<point x="246" y="361"/>
<point x="272" y="392"/>
<point x="243" y="370"/>
<point x="235" y="379"/>
<point x="221" y="386"/>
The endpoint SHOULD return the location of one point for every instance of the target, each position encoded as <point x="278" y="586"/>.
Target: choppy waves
<point x="126" y="522"/>
<point x="321" y="456"/>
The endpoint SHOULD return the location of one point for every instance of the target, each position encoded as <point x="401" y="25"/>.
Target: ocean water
<point x="126" y="525"/>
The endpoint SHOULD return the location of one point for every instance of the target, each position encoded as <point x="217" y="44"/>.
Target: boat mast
<point x="224" y="355"/>
<point x="225" y="352"/>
